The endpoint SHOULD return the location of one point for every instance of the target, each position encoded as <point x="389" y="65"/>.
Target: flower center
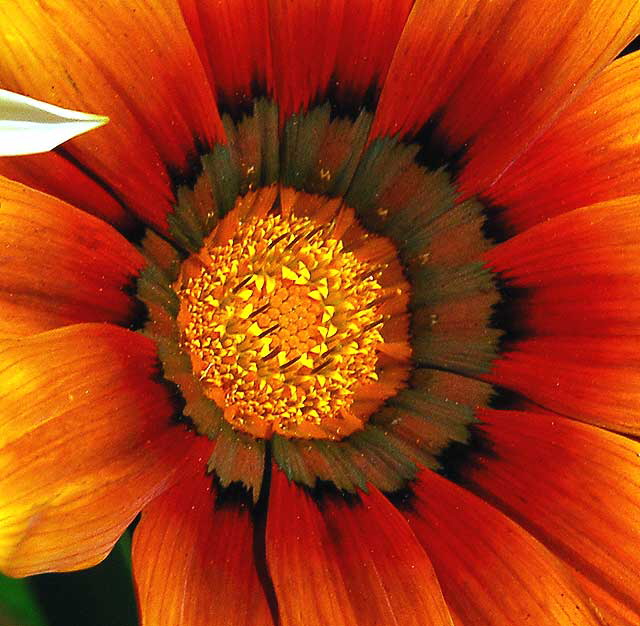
<point x="282" y="328"/>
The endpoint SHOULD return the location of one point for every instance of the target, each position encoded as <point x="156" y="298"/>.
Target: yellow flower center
<point x="281" y="326"/>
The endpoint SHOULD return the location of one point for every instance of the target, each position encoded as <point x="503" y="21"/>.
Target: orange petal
<point x="55" y="175"/>
<point x="575" y="487"/>
<point x="347" y="563"/>
<point x="580" y="271"/>
<point x="590" y="154"/>
<point x="193" y="560"/>
<point x="489" y="76"/>
<point x="613" y="612"/>
<point x="86" y="441"/>
<point x="337" y="47"/>
<point x="137" y="65"/>
<point x="59" y="265"/>
<point x="491" y="570"/>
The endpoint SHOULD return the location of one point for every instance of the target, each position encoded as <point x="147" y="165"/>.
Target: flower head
<point x="341" y="300"/>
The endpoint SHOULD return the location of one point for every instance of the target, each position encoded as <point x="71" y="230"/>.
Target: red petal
<point x="136" y="64"/>
<point x="574" y="486"/>
<point x="338" y="46"/>
<point x="587" y="243"/>
<point x="86" y="442"/>
<point x="580" y="271"/>
<point x="491" y="570"/>
<point x="493" y="74"/>
<point x="232" y="38"/>
<point x="343" y="563"/>
<point x="596" y="141"/>
<point x="59" y="265"/>
<point x="370" y="34"/>
<point x="52" y="173"/>
<point x="550" y="372"/>
<point x="193" y="561"/>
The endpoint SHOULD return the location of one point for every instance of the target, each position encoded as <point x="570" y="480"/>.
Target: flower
<point x="342" y="299"/>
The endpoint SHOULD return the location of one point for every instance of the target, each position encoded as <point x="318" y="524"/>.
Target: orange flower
<point x="342" y="299"/>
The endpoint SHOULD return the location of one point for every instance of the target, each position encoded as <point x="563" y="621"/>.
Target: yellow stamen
<point x="280" y="320"/>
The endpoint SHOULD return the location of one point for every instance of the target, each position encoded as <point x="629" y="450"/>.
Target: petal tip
<point x="28" y="126"/>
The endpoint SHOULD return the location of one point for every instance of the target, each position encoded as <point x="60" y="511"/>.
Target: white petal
<point x="28" y="126"/>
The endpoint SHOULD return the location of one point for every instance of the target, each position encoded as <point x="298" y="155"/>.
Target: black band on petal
<point x="239" y="104"/>
<point x="495" y="227"/>
<point x="435" y="150"/>
<point x="139" y="313"/>
<point x="347" y="103"/>
<point x="508" y="312"/>
<point x="187" y="175"/>
<point x="457" y="457"/>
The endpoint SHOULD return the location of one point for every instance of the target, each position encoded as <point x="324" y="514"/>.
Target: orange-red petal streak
<point x="193" y="560"/>
<point x="551" y="372"/>
<point x="494" y="74"/>
<point x="59" y="265"/>
<point x="85" y="442"/>
<point x="574" y="486"/>
<point x="347" y="563"/>
<point x="580" y="272"/>
<point x="491" y="570"/>
<point x="332" y="46"/>
<point x="232" y="38"/>
<point x="54" y="174"/>
<point x="590" y="154"/>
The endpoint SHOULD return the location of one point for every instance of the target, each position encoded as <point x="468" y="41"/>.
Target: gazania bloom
<point x="343" y="299"/>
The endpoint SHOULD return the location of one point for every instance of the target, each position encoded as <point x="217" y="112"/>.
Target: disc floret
<point x="281" y="326"/>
